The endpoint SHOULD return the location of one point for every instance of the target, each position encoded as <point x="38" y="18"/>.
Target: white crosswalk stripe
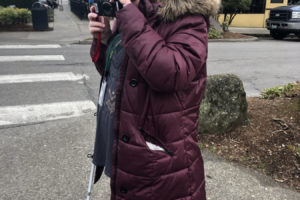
<point x="45" y="77"/>
<point x="32" y="58"/>
<point x="35" y="113"/>
<point x="11" y="115"/>
<point x="40" y="46"/>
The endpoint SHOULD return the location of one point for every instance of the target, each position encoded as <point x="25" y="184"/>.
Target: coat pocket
<point x="155" y="144"/>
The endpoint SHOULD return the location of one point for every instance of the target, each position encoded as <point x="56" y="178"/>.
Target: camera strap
<point x="98" y="48"/>
<point x="111" y="49"/>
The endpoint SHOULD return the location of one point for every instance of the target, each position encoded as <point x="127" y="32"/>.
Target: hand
<point x="99" y="24"/>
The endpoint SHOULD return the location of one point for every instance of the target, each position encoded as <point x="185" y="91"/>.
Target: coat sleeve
<point x="166" y="64"/>
<point x="100" y="63"/>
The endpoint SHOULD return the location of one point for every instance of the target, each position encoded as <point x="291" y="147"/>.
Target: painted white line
<point x="31" y="58"/>
<point x="13" y="115"/>
<point x="41" y="46"/>
<point x="45" y="77"/>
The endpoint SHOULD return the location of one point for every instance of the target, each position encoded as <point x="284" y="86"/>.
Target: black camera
<point x="106" y="8"/>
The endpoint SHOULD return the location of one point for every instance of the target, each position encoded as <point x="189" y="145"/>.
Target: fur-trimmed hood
<point x="170" y="10"/>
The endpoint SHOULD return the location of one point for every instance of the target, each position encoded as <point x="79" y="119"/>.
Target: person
<point x="153" y="68"/>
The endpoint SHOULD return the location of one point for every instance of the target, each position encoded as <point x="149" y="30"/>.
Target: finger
<point x="92" y="16"/>
<point x="97" y="24"/>
<point x="95" y="30"/>
<point x="101" y="19"/>
<point x="106" y="19"/>
<point x="92" y="9"/>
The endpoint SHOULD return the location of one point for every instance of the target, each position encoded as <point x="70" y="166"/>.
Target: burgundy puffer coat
<point x="161" y="84"/>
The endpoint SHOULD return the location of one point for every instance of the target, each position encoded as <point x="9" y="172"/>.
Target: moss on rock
<point x="224" y="106"/>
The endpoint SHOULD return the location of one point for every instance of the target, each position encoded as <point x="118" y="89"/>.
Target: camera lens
<point x="107" y="8"/>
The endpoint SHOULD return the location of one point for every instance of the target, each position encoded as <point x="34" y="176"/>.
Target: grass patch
<point x="289" y="90"/>
<point x="261" y="166"/>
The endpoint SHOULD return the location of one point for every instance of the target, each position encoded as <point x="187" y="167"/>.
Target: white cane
<point x="91" y="182"/>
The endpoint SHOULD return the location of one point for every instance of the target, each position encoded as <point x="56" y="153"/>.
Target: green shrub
<point x="225" y="26"/>
<point x="289" y="90"/>
<point x="24" y="15"/>
<point x="214" y="34"/>
<point x="295" y="90"/>
<point x="9" y="16"/>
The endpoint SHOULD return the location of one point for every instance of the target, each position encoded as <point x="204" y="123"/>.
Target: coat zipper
<point x="147" y="135"/>
<point x="118" y="110"/>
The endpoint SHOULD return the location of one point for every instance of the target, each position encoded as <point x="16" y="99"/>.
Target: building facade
<point x="258" y="13"/>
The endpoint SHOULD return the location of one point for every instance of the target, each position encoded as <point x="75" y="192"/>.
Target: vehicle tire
<point x="277" y="35"/>
<point x="298" y="34"/>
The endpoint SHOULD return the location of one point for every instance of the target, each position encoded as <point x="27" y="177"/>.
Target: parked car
<point x="284" y="20"/>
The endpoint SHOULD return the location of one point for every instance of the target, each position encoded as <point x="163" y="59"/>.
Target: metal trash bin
<point x="49" y="4"/>
<point x="39" y="16"/>
<point x="50" y="14"/>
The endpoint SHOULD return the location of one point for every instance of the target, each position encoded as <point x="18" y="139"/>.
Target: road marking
<point x="15" y="115"/>
<point x="41" y="46"/>
<point x="32" y="58"/>
<point x="44" y="77"/>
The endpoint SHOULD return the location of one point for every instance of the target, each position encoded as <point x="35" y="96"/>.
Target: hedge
<point x="9" y="16"/>
<point x="18" y="3"/>
<point x="214" y="34"/>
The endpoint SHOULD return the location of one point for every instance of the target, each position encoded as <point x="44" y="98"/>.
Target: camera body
<point x="106" y="8"/>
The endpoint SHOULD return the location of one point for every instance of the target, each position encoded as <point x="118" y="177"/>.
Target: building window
<point x="294" y="2"/>
<point x="257" y="6"/>
<point x="276" y="1"/>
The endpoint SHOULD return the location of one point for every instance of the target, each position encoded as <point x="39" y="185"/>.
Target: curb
<point x="257" y="35"/>
<point x="234" y="40"/>
<point x="89" y="40"/>
<point x="84" y="42"/>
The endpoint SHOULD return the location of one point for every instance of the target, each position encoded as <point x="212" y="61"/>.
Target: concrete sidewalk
<point x="225" y="180"/>
<point x="258" y="32"/>
<point x="67" y="28"/>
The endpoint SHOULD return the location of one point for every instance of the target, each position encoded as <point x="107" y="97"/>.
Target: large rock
<point x="224" y="106"/>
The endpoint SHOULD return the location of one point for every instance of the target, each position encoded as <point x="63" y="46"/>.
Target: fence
<point x="79" y="8"/>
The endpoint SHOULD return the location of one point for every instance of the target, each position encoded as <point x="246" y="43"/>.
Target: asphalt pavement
<point x="38" y="162"/>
